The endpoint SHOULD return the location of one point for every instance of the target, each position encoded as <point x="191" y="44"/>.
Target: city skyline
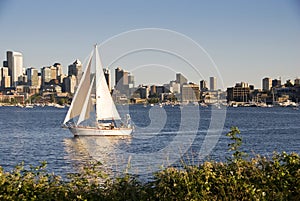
<point x="52" y="84"/>
<point x="72" y="69"/>
<point x="248" y="40"/>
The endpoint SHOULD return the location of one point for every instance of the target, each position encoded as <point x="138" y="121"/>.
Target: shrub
<point x="238" y="178"/>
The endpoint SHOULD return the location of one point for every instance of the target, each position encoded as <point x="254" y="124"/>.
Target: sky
<point x="240" y="40"/>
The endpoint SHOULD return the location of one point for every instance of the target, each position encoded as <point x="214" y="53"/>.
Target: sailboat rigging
<point x="82" y="106"/>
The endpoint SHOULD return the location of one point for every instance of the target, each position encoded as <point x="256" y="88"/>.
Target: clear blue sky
<point x="248" y="40"/>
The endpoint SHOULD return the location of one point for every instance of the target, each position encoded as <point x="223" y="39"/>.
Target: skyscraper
<point x="46" y="75"/>
<point x="276" y="83"/>
<point x="15" y="66"/>
<point x="5" y="78"/>
<point x="190" y="92"/>
<point x="212" y="83"/>
<point x="32" y="76"/>
<point x="266" y="84"/>
<point x="76" y="70"/>
<point x="131" y="80"/>
<point x="181" y="79"/>
<point x="121" y="77"/>
<point x="59" y="70"/>
<point x="203" y="85"/>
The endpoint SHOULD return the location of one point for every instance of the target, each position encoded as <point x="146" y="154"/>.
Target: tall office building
<point x="53" y="70"/>
<point x="76" y="70"/>
<point x="121" y="77"/>
<point x="212" y="83"/>
<point x="5" y="78"/>
<point x="15" y="66"/>
<point x="181" y="79"/>
<point x="46" y="75"/>
<point x="32" y="76"/>
<point x="239" y="93"/>
<point x="266" y="84"/>
<point x="131" y="80"/>
<point x="121" y="81"/>
<point x="174" y="87"/>
<point x="59" y="70"/>
<point x="69" y="84"/>
<point x="276" y="83"/>
<point x="190" y="92"/>
<point x="203" y="85"/>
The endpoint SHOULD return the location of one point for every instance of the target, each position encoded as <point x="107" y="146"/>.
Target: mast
<point x="97" y="94"/>
<point x="105" y="107"/>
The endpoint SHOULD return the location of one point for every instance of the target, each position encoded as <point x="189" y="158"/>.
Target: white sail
<point x="82" y="105"/>
<point x="87" y="106"/>
<point x="105" y="107"/>
<point x="80" y="94"/>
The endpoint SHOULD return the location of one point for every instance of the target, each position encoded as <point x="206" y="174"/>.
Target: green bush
<point x="239" y="178"/>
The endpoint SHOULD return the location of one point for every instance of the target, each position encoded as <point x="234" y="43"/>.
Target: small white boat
<point x="59" y="106"/>
<point x="83" y="105"/>
<point x="29" y="106"/>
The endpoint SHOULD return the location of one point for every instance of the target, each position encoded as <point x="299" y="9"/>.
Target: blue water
<point x="163" y="136"/>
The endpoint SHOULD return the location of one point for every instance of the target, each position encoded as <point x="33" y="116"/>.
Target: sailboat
<point x="83" y="105"/>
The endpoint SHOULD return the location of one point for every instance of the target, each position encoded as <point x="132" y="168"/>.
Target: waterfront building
<point x="153" y="91"/>
<point x="5" y="78"/>
<point x="181" y="79"/>
<point x="143" y="91"/>
<point x="266" y="84"/>
<point x="32" y="76"/>
<point x="190" y="92"/>
<point x="121" y="77"/>
<point x="15" y="66"/>
<point x="121" y="81"/>
<point x="59" y="70"/>
<point x="22" y="80"/>
<point x="203" y="86"/>
<point x="69" y="84"/>
<point x="76" y="70"/>
<point x="239" y="93"/>
<point x="31" y="90"/>
<point x="173" y="87"/>
<point x="212" y="83"/>
<point x="46" y="75"/>
<point x="61" y="78"/>
<point x="53" y="72"/>
<point x="130" y="81"/>
<point x="276" y="83"/>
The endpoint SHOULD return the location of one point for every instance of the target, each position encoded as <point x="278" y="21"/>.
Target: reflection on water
<point x="104" y="149"/>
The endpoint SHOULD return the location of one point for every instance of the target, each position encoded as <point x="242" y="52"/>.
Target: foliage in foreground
<point x="240" y="178"/>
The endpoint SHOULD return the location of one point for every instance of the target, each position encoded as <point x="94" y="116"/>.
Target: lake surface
<point x="163" y="136"/>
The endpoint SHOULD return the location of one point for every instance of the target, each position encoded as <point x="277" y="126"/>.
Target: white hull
<point x="90" y="131"/>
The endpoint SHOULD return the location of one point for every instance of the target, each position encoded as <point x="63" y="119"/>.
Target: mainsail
<point x="87" y="107"/>
<point x="81" y="94"/>
<point x="105" y="107"/>
<point x="82" y="103"/>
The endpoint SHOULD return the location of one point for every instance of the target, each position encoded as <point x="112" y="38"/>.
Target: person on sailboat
<point x="112" y="125"/>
